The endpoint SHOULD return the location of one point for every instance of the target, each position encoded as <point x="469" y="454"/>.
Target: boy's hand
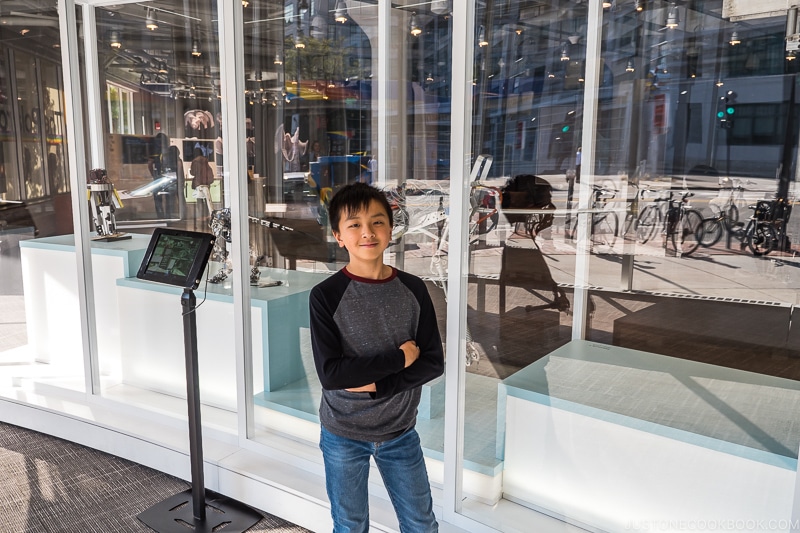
<point x="365" y="388"/>
<point x="411" y="351"/>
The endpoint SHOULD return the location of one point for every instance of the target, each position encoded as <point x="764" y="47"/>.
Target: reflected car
<point x="166" y="183"/>
<point x="296" y="188"/>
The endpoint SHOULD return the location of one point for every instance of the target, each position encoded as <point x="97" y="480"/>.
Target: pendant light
<point x="415" y="29"/>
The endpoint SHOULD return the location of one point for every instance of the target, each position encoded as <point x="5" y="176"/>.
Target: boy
<point x="375" y="342"/>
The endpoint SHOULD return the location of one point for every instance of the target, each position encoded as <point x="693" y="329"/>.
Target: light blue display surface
<point x="131" y="250"/>
<point x="284" y="310"/>
<point x="732" y="411"/>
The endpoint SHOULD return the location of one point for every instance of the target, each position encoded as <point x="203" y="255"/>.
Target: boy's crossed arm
<point x="411" y="353"/>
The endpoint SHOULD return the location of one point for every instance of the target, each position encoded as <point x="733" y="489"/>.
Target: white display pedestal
<point x="617" y="440"/>
<point x="139" y="323"/>
<point x="152" y="342"/>
<point x="52" y="313"/>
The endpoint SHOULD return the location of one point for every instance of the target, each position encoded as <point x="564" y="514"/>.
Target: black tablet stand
<point x="175" y="515"/>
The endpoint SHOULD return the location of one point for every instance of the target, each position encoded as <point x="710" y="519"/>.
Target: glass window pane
<point x="645" y="190"/>
<point x="10" y="183"/>
<point x="30" y="117"/>
<point x="313" y="115"/>
<point x="167" y="80"/>
<point x="57" y="170"/>
<point x="40" y="319"/>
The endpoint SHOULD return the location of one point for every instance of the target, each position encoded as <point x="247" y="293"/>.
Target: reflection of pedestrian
<point x="202" y="178"/>
<point x="315" y="153"/>
<point x="578" y="165"/>
<point x="166" y="165"/>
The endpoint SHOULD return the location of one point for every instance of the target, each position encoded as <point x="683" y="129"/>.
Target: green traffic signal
<point x="565" y="129"/>
<point x="720" y="114"/>
<point x="729" y="110"/>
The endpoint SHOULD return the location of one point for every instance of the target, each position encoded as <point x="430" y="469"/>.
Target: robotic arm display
<point x="103" y="202"/>
<point x="221" y="228"/>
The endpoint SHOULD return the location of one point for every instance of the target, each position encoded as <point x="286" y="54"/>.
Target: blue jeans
<point x="402" y="468"/>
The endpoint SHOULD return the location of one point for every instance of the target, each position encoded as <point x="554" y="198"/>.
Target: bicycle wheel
<point x="629" y="224"/>
<point x="759" y="239"/>
<point x="604" y="232"/>
<point x="684" y="237"/>
<point x="649" y="220"/>
<point x="738" y="231"/>
<point x="709" y="232"/>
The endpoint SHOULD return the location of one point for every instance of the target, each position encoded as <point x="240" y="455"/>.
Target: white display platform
<point x="617" y="440"/>
<point x="152" y="336"/>
<point x="52" y="313"/>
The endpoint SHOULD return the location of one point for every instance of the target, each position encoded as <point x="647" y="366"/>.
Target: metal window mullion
<point x="76" y="150"/>
<point x="110" y="110"/>
<point x="594" y="44"/>
<point x="94" y="102"/>
<point x="382" y="109"/>
<point x="231" y="35"/>
<point x="458" y="250"/>
<point x="131" y="129"/>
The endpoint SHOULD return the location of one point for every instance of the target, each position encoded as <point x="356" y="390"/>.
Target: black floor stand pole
<point x="173" y="514"/>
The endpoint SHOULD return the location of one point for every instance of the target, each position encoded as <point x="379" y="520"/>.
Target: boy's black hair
<point x="353" y="198"/>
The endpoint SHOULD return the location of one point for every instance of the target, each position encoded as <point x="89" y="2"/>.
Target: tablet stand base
<point x="196" y="509"/>
<point x="175" y="515"/>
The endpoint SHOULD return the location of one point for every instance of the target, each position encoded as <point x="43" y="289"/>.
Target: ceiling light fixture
<point x="302" y="7"/>
<point x="564" y="53"/>
<point x="245" y="3"/>
<point x="278" y="60"/>
<point x="151" y="23"/>
<point x="734" y="38"/>
<point x="340" y="12"/>
<point x="113" y="40"/>
<point x="162" y="67"/>
<point x="415" y="29"/>
<point x="482" y="38"/>
<point x="673" y="17"/>
<point x="638" y="6"/>
<point x="629" y="67"/>
<point x="298" y="40"/>
<point x="196" y="48"/>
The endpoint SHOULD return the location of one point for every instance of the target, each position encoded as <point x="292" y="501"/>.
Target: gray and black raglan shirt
<point x="357" y="327"/>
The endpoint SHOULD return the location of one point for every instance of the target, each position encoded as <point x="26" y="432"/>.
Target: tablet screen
<point x="176" y="257"/>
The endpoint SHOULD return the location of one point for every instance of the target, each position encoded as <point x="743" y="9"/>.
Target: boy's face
<point x="366" y="233"/>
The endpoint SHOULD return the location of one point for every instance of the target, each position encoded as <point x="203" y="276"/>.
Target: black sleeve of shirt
<point x="334" y="368"/>
<point x="430" y="364"/>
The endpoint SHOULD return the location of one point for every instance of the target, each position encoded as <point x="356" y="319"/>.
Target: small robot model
<point x="103" y="202"/>
<point x="221" y="228"/>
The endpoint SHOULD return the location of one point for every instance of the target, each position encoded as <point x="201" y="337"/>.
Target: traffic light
<point x="726" y="109"/>
<point x="721" y="116"/>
